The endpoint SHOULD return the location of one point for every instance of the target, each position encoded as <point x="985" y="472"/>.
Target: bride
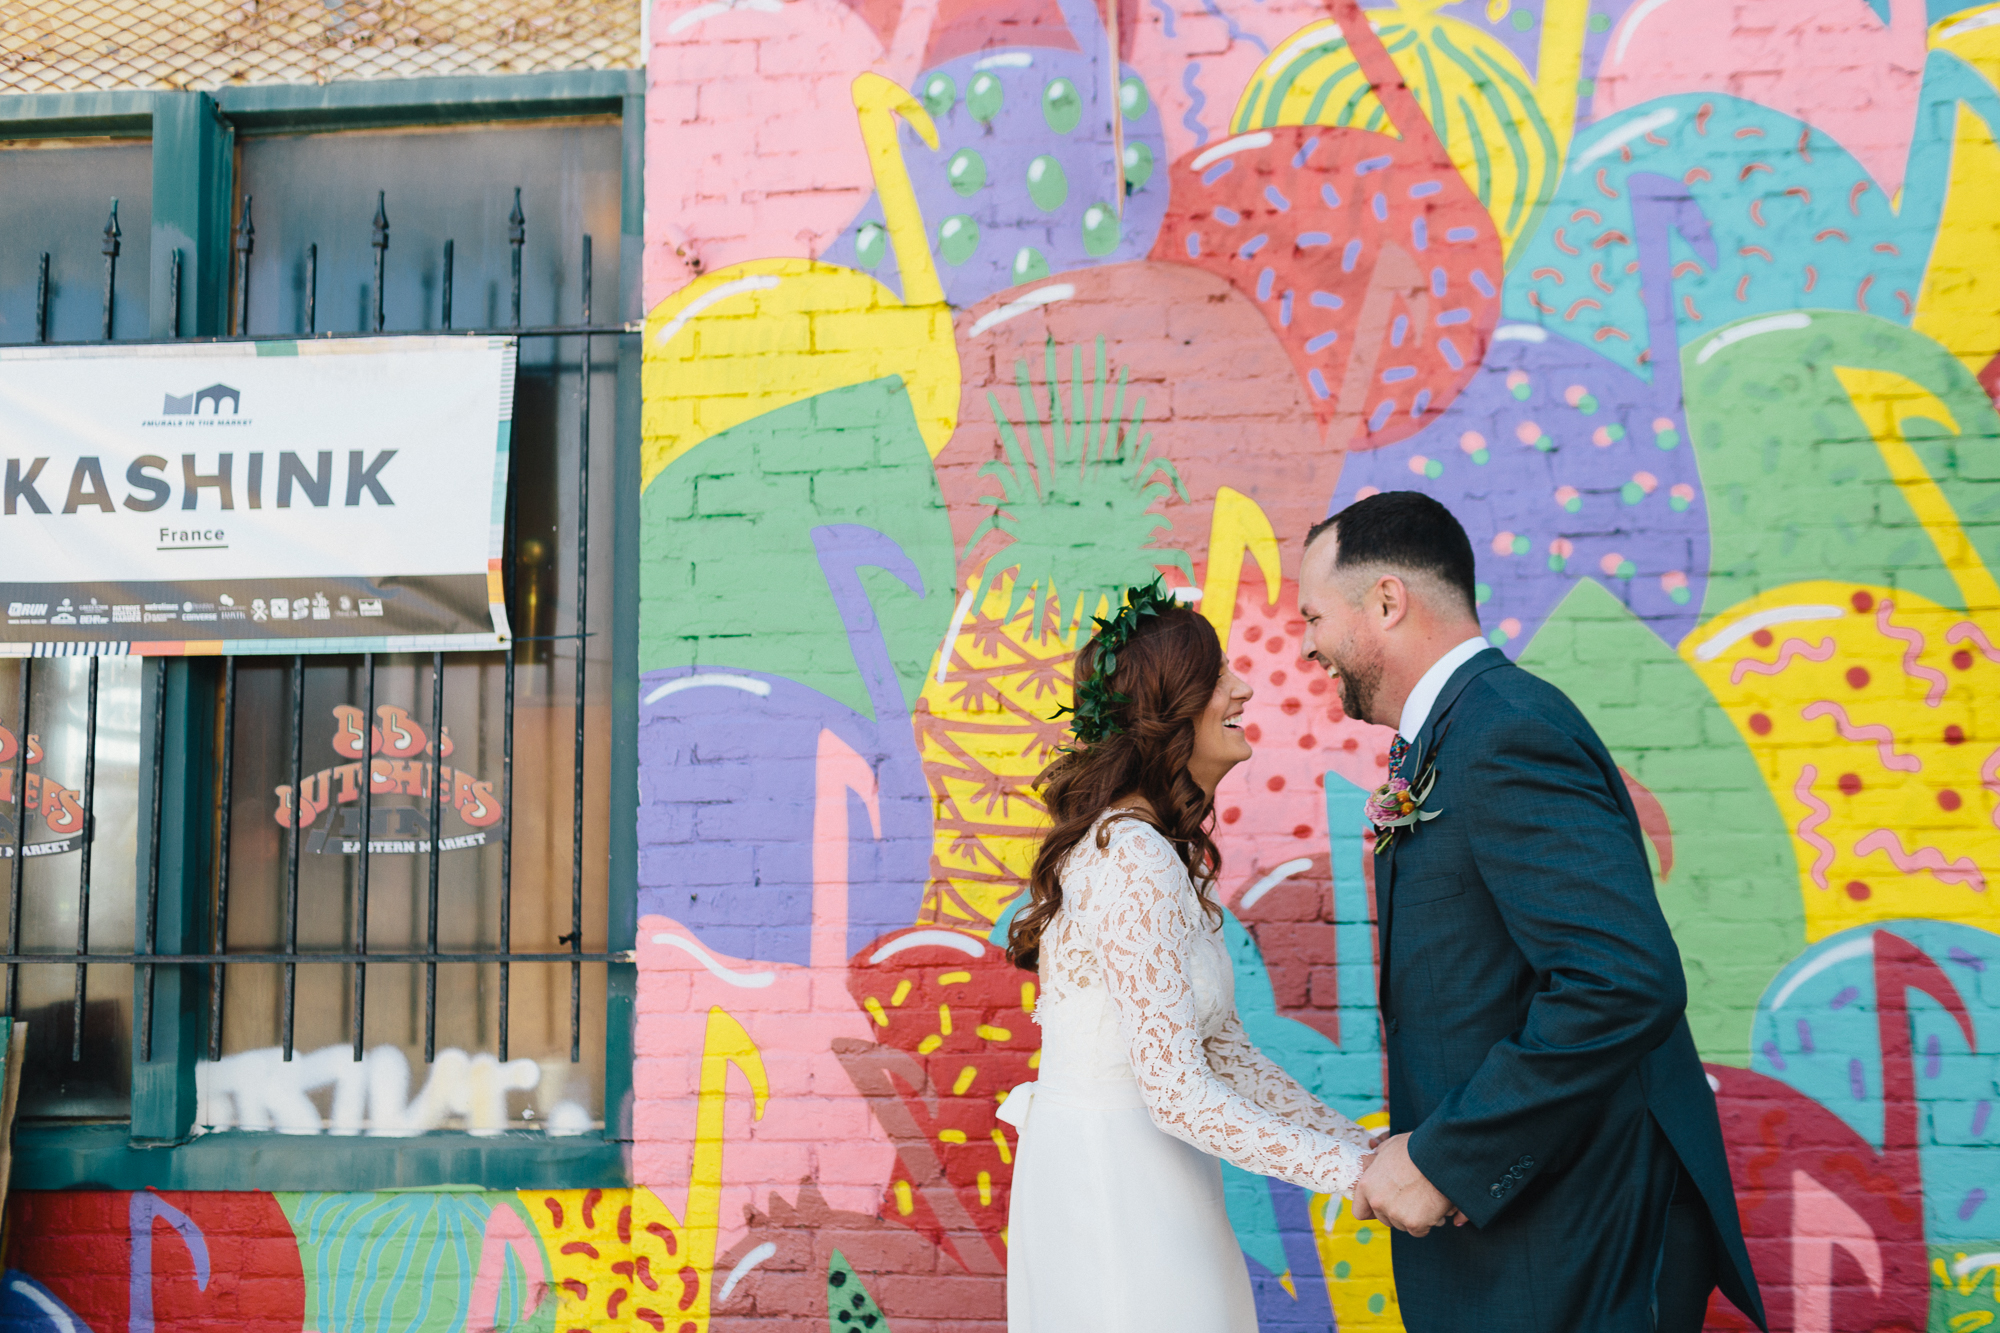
<point x="1116" y="1223"/>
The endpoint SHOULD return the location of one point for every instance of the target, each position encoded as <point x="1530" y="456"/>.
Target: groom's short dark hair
<point x="1407" y="531"/>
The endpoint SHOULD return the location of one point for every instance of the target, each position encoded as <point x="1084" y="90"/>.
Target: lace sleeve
<point x="1236" y="1059"/>
<point x="1145" y="936"/>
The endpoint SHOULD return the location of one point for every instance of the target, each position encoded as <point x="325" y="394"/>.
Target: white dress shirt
<point x="1417" y="708"/>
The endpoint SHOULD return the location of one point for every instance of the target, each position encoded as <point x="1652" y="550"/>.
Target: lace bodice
<point x="1136" y="984"/>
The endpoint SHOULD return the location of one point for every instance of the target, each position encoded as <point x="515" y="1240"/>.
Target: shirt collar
<point x="1417" y="708"/>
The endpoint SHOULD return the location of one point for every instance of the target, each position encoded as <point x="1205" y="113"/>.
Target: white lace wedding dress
<point x="1116" y="1223"/>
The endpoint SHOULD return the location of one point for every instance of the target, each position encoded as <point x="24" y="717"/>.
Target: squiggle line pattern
<point x="1961" y="871"/>
<point x="1192" y="117"/>
<point x="1966" y="631"/>
<point x="1989" y="778"/>
<point x="1793" y="648"/>
<point x="1913" y="648"/>
<point x="1237" y="32"/>
<point x="1885" y="739"/>
<point x="1166" y="18"/>
<point x="1808" y="828"/>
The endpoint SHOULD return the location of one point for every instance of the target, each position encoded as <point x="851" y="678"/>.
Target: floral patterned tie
<point x="1398" y="748"/>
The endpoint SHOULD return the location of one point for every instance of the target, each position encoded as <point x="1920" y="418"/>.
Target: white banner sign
<point x="336" y="495"/>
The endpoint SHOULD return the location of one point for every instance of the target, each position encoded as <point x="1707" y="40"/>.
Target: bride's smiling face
<point x="1219" y="742"/>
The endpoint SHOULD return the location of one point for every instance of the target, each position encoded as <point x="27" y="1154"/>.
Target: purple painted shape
<point x="1970" y="1205"/>
<point x="1008" y="219"/>
<point x="1805" y="1037"/>
<point x="1966" y="958"/>
<point x="1848" y="995"/>
<point x="1933" y="1056"/>
<point x="1277" y="1310"/>
<point x="728" y="765"/>
<point x="1772" y="1054"/>
<point x="1857" y="1080"/>
<point x="1979" y="1115"/>
<point x="147" y="1208"/>
<point x="1589" y="465"/>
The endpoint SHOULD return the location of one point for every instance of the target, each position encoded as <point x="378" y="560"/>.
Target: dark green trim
<point x="194" y="162"/>
<point x="76" y="115"/>
<point x="288" y="108"/>
<point x="163" y="1093"/>
<point x="621" y="979"/>
<point x="104" y="1157"/>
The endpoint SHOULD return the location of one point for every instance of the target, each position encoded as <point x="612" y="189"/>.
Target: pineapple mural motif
<point x="1073" y="525"/>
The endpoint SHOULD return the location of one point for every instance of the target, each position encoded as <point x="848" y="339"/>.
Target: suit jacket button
<point x="1497" y="1190"/>
<point x="1528" y="1162"/>
<point x="1395" y="1026"/>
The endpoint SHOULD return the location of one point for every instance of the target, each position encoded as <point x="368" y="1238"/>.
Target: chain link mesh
<point x="74" y="45"/>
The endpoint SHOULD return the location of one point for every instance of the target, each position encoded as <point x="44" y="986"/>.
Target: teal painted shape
<point x="728" y="574"/>
<point x="1811" y="227"/>
<point x="1247" y="1197"/>
<point x="997" y="937"/>
<point x="388" y="1263"/>
<point x="1732" y="898"/>
<point x="1797" y="488"/>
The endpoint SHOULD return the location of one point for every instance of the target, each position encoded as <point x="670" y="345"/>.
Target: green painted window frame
<point x="193" y="139"/>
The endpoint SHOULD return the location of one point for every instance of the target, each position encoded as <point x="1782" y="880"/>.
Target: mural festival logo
<point x="402" y="769"/>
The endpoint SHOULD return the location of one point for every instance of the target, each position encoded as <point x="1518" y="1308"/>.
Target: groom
<point x="1556" y="1164"/>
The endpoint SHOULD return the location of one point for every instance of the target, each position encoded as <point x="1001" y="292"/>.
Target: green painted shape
<point x="389" y="1263"/>
<point x="1138" y="166"/>
<point x="1030" y="264"/>
<point x="1048" y="186"/>
<point x="1101" y="232"/>
<point x="871" y="245"/>
<point x="983" y="97"/>
<point x="1132" y="99"/>
<point x="1797" y="489"/>
<point x="958" y="238"/>
<point x="940" y="94"/>
<point x="728" y="573"/>
<point x="849" y="1307"/>
<point x="967" y="172"/>
<point x="1733" y="896"/>
<point x="1062" y="105"/>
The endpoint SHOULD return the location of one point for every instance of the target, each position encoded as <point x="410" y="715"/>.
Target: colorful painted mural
<point x="965" y="315"/>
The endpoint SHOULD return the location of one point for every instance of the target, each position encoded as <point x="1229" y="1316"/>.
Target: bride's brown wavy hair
<point x="1167" y="670"/>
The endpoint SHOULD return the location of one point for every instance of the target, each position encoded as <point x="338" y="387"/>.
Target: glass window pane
<point x="392" y="1091"/>
<point x="55" y="198"/>
<point x="52" y="834"/>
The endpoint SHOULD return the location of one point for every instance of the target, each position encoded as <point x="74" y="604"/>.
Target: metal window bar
<point x="217" y="958"/>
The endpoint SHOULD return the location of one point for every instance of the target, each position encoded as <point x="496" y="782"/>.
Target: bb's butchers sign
<point x="323" y="496"/>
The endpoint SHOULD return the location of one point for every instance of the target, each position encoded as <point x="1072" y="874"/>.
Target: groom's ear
<point x="1389" y="600"/>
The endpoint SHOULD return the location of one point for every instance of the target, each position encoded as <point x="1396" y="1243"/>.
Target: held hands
<point x="1392" y="1189"/>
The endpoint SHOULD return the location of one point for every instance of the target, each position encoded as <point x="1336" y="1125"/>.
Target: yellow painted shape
<point x="902" y="993"/>
<point x="1959" y="301"/>
<point x="1237" y="528"/>
<point x="1886" y="401"/>
<point x="1303" y="83"/>
<point x="944" y="1019"/>
<point x="1804" y="758"/>
<point x="986" y="1189"/>
<point x="758" y="336"/>
<point x="951" y="978"/>
<point x="990" y="1033"/>
<point x="905" y="1204"/>
<point x="1360" y="1284"/>
<point x="964" y="1081"/>
<point x="1000" y="1141"/>
<point x="951" y="1136"/>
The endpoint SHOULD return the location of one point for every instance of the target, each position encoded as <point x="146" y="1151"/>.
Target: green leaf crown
<point x="1097" y="702"/>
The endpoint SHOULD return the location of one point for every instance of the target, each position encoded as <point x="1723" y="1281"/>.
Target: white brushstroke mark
<point x="1041" y="296"/>
<point x="748" y="684"/>
<point x="1861" y="948"/>
<point x="1011" y="60"/>
<point x="951" y="634"/>
<point x="702" y="13"/>
<point x="1632" y="22"/>
<point x="923" y="939"/>
<point x="1737" y="630"/>
<point x="743" y="1267"/>
<point x="49" y="1307"/>
<point x="747" y="980"/>
<point x="1769" y="324"/>
<point x="1272" y="881"/>
<point x="1520" y="333"/>
<point x="1261" y="139"/>
<point x="1612" y="142"/>
<point x="760" y="282"/>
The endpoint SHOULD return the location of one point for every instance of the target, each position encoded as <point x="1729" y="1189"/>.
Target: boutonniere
<point x="1398" y="804"/>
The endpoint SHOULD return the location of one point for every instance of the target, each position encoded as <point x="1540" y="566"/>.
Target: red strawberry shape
<point x="1374" y="261"/>
<point x="955" y="1034"/>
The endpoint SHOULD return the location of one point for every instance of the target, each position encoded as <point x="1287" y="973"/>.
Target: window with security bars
<point x="396" y="916"/>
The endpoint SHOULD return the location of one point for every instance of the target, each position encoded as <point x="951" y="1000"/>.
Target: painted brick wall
<point x="959" y="323"/>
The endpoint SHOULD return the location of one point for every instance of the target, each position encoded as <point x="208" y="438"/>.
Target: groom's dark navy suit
<point x="1532" y="1005"/>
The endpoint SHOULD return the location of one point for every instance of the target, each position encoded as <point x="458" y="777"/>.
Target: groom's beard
<point x="1359" y="680"/>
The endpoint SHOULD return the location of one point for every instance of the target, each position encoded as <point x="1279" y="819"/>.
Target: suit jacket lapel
<point x="1419" y="755"/>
